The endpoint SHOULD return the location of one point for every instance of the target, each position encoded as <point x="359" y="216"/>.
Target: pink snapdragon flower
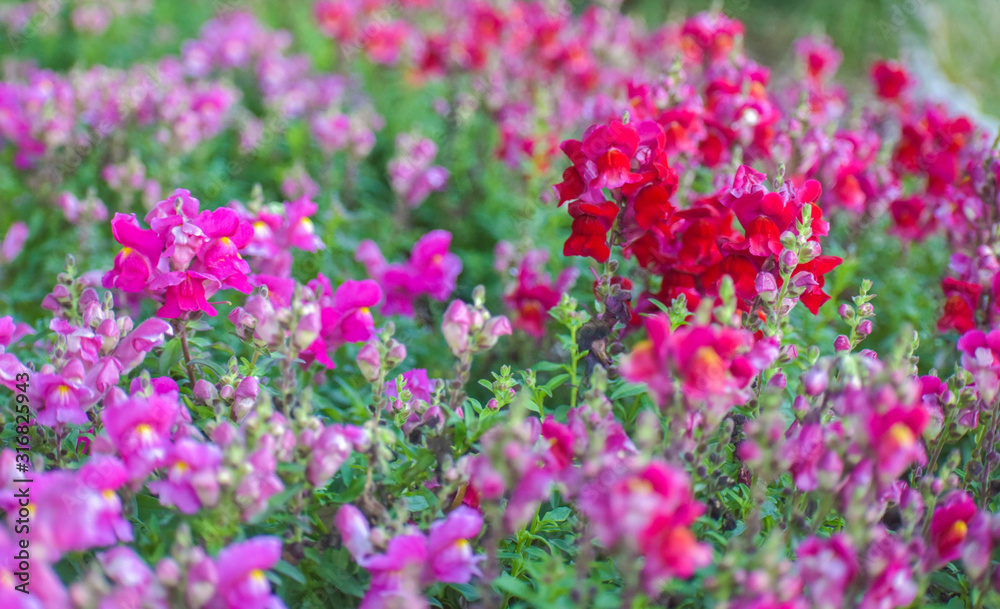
<point x="10" y="365"/>
<point x="412" y="175"/>
<point x="714" y="364"/>
<point x="62" y="398"/>
<point x="242" y="582"/>
<point x="192" y="477"/>
<point x="981" y="356"/>
<point x="412" y="561"/>
<point x="450" y="555"/>
<point x="134" y="582"/>
<point x="140" y="428"/>
<point x="828" y="567"/>
<point x="44" y="586"/>
<point x="331" y="447"/>
<point x="13" y="242"/>
<point x="649" y="511"/>
<point x="261" y="481"/>
<point x="532" y="293"/>
<point x="85" y="498"/>
<point x="277" y="230"/>
<point x="431" y="270"/>
<point x="949" y="528"/>
<point x="890" y="574"/>
<point x="345" y="316"/>
<point x="184" y="257"/>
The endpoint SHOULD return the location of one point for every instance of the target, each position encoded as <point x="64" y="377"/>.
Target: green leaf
<point x="515" y="587"/>
<point x="548" y="367"/>
<point x="290" y="571"/>
<point x="170" y="355"/>
<point x="554" y="382"/>
<point x="628" y="390"/>
<point x="416" y="503"/>
<point x="560" y="514"/>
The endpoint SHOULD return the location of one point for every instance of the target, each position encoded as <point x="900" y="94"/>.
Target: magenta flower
<point x="186" y="292"/>
<point x="148" y="335"/>
<point x="354" y="531"/>
<point x="330" y="449"/>
<point x="242" y="579"/>
<point x="139" y="428"/>
<point x="396" y="574"/>
<point x="136" y="264"/>
<point x="220" y="257"/>
<point x="411" y="173"/>
<point x="45" y="588"/>
<point x="949" y="528"/>
<point x="60" y="497"/>
<point x="981" y="356"/>
<point x="192" y="477"/>
<point x="895" y="435"/>
<point x="345" y="316"/>
<point x="416" y="382"/>
<point x="449" y="552"/>
<point x="62" y="398"/>
<point x="532" y="294"/>
<point x="261" y="482"/>
<point x="135" y="584"/>
<point x="890" y="574"/>
<point x="829" y="566"/>
<point x="13" y="242"/>
<point x="714" y="364"/>
<point x="649" y="511"/>
<point x="431" y="270"/>
<point x="277" y="229"/>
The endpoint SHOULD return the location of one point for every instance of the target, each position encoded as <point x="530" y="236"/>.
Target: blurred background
<point x="949" y="44"/>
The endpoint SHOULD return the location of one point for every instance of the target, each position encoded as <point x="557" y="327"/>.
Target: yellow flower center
<point x="108" y="494"/>
<point x="63" y="390"/>
<point x="258" y="576"/>
<point x="307" y="223"/>
<point x="639" y="485"/>
<point x="365" y="310"/>
<point x="144" y="430"/>
<point x="126" y="252"/>
<point x="902" y="435"/>
<point x="181" y="467"/>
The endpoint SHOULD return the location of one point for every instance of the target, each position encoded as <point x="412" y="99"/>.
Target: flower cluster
<point x="184" y="258"/>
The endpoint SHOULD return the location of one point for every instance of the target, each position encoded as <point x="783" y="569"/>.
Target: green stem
<point x="574" y="360"/>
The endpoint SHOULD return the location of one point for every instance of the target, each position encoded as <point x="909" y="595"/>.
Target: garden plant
<point x="465" y="303"/>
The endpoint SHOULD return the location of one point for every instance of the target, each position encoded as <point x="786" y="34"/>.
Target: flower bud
<point x="205" y="391"/>
<point x="814" y="381"/>
<point x="494" y="328"/>
<point x="865" y="327"/>
<point x="168" y="572"/>
<point x="245" y="396"/>
<point x="778" y="381"/>
<point x="308" y="327"/>
<point x="842" y="343"/>
<point x="846" y="312"/>
<point x="765" y="284"/>
<point x="455" y="327"/>
<point x="789" y="259"/>
<point x="370" y="362"/>
<point x="396" y="353"/>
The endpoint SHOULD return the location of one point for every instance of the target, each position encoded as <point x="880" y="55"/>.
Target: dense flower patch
<point x="472" y="304"/>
